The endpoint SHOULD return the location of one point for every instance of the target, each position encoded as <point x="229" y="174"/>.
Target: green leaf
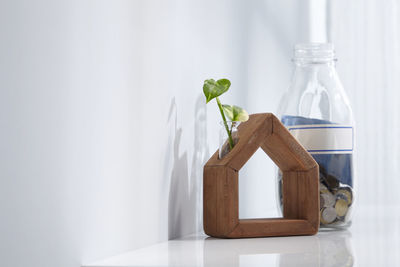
<point x="212" y="88"/>
<point x="235" y="113"/>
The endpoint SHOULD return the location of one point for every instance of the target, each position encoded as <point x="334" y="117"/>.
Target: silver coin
<point x="328" y="199"/>
<point x="328" y="215"/>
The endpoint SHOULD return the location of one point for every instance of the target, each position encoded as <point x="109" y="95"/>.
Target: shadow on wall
<point x="185" y="192"/>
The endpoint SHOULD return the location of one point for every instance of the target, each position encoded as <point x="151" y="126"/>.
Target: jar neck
<point x="312" y="71"/>
<point x="315" y="90"/>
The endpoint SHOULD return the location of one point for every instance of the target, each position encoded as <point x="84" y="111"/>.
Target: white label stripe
<point x="324" y="138"/>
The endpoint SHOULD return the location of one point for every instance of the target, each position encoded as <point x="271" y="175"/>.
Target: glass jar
<point x="317" y="112"/>
<point x="224" y="144"/>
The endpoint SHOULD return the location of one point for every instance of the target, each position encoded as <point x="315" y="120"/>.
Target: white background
<point x="104" y="129"/>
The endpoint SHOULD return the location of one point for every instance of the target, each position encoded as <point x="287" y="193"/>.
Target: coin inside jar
<point x="321" y="202"/>
<point x="341" y="207"/>
<point x="322" y="187"/>
<point x="326" y="199"/>
<point x="347" y="192"/>
<point x="328" y="215"/>
<point x="332" y="182"/>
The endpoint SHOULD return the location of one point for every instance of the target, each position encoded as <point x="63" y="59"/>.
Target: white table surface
<point x="372" y="240"/>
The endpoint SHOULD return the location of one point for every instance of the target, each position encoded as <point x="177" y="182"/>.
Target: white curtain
<point x="366" y="35"/>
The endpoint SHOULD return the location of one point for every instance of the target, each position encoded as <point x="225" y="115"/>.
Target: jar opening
<point x="314" y="53"/>
<point x="230" y="123"/>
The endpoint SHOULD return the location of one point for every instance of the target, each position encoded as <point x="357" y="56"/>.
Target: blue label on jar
<point x="330" y="144"/>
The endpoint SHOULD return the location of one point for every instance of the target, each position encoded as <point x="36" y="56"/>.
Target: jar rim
<point x="314" y="52"/>
<point x="234" y="123"/>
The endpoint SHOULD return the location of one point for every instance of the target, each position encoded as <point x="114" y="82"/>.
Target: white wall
<point x="104" y="129"/>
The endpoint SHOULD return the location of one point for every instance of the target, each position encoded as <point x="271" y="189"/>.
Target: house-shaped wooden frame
<point x="300" y="185"/>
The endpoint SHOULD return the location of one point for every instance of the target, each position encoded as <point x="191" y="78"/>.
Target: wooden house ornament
<point x="300" y="184"/>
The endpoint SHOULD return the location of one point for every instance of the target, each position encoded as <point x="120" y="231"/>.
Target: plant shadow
<point x="185" y="189"/>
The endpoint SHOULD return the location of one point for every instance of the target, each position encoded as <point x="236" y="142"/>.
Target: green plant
<point x="213" y="89"/>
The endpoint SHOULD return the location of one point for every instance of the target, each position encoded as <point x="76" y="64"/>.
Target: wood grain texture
<point x="285" y="151"/>
<point x="300" y="184"/>
<point x="271" y="227"/>
<point x="251" y="135"/>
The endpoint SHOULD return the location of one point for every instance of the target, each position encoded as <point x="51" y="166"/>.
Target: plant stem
<point x="225" y="123"/>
